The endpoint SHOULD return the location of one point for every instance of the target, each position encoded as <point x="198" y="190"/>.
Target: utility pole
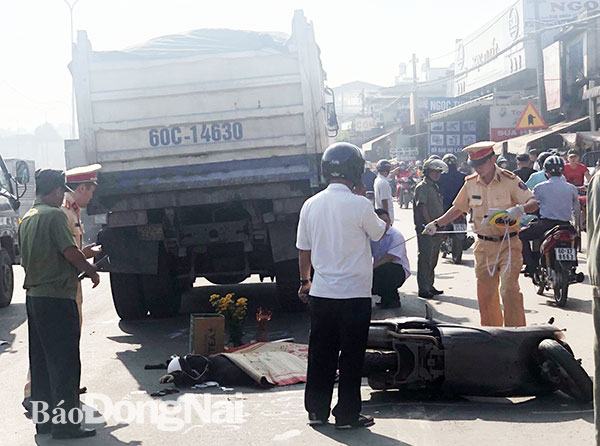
<point x="415" y="102"/>
<point x="71" y="6"/>
<point x="541" y="87"/>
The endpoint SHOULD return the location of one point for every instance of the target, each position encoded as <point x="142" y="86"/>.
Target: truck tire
<point x="287" y="278"/>
<point x="6" y="279"/>
<point x="127" y="296"/>
<point x="162" y="291"/>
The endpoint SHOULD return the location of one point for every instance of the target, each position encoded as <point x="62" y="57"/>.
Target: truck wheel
<point x="287" y="278"/>
<point x="564" y="372"/>
<point x="6" y="279"/>
<point x="162" y="290"/>
<point x="127" y="296"/>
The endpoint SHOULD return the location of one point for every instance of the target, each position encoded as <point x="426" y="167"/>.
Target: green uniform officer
<point x="593" y="260"/>
<point x="51" y="260"/>
<point x="427" y="206"/>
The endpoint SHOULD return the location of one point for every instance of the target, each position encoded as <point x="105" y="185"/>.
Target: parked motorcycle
<point x="405" y="191"/>
<point x="557" y="262"/>
<point x="436" y="357"/>
<point x="457" y="241"/>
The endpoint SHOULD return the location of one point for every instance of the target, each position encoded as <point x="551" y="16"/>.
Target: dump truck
<point x="209" y="141"/>
<point x="12" y="188"/>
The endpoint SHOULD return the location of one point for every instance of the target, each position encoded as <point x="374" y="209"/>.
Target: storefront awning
<point x="369" y="144"/>
<point x="521" y="144"/>
<point x="583" y="140"/>
<point x="484" y="101"/>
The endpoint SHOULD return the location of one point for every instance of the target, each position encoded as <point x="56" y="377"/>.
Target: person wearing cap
<point x="538" y="177"/>
<point x="384" y="199"/>
<point x="524" y="169"/>
<point x="428" y="205"/>
<point x="83" y="182"/>
<point x="51" y="259"/>
<point x="498" y="258"/>
<point x="575" y="172"/>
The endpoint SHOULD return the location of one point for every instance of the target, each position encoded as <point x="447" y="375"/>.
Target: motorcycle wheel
<point x="378" y="361"/>
<point x="561" y="287"/>
<point x="457" y="250"/>
<point x="564" y="372"/>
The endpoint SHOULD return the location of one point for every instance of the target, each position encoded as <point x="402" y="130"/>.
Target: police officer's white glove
<point x="430" y="228"/>
<point x="515" y="212"/>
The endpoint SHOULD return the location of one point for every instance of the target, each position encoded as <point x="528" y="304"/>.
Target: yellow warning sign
<point x="531" y="119"/>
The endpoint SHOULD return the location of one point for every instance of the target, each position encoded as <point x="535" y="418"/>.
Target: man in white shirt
<point x="333" y="237"/>
<point x="383" y="191"/>
<point x="390" y="264"/>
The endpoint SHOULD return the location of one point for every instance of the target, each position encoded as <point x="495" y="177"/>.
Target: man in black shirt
<point x="524" y="169"/>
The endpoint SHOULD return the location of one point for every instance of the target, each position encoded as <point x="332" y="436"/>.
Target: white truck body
<point x="210" y="142"/>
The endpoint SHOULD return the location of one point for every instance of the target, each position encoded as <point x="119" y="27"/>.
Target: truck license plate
<point x="565" y="254"/>
<point x="460" y="227"/>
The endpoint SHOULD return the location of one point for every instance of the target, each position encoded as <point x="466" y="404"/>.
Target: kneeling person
<point x="390" y="263"/>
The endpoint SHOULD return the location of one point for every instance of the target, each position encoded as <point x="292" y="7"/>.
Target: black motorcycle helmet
<point x="343" y="160"/>
<point x="554" y="164"/>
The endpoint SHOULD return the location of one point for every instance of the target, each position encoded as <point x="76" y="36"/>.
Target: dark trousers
<point x="54" y="353"/>
<point x="535" y="231"/>
<point x="427" y="258"/>
<point x="338" y="339"/>
<point x="387" y="278"/>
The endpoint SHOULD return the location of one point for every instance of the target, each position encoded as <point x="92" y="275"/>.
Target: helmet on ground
<point x="435" y="164"/>
<point x="554" y="164"/>
<point x="383" y="165"/>
<point x="343" y="160"/>
<point x="450" y="159"/>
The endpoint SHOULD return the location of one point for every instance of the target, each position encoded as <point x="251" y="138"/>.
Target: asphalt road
<point x="114" y="354"/>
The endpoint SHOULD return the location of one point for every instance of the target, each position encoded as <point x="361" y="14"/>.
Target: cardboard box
<point x="206" y="333"/>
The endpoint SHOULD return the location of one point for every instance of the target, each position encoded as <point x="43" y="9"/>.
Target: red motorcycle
<point x="557" y="263"/>
<point x="405" y="191"/>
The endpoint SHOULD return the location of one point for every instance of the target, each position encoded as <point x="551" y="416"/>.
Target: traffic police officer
<point x="51" y="259"/>
<point x="427" y="206"/>
<point x="333" y="238"/>
<point x="497" y="252"/>
<point x="83" y="182"/>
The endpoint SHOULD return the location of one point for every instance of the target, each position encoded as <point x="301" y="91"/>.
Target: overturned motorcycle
<point x="431" y="356"/>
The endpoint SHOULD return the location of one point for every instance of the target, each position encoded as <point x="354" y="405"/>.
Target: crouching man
<point x="390" y="263"/>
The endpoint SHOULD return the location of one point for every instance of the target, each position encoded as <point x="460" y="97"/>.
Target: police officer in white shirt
<point x="333" y="237"/>
<point x="384" y="198"/>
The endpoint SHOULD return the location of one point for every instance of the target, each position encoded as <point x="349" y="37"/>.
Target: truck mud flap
<point x="128" y="254"/>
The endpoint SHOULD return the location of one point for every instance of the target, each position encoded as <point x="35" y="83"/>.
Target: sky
<point x="359" y="40"/>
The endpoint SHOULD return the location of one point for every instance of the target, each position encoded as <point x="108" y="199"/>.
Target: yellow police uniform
<point x="498" y="257"/>
<point x="78" y="175"/>
<point x="73" y="213"/>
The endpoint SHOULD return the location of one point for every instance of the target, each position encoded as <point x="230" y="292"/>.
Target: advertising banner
<point x="449" y="136"/>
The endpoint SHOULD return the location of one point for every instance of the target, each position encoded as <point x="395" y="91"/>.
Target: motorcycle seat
<point x="560" y="227"/>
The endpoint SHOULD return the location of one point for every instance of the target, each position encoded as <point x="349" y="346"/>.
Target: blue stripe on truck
<point x="253" y="171"/>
